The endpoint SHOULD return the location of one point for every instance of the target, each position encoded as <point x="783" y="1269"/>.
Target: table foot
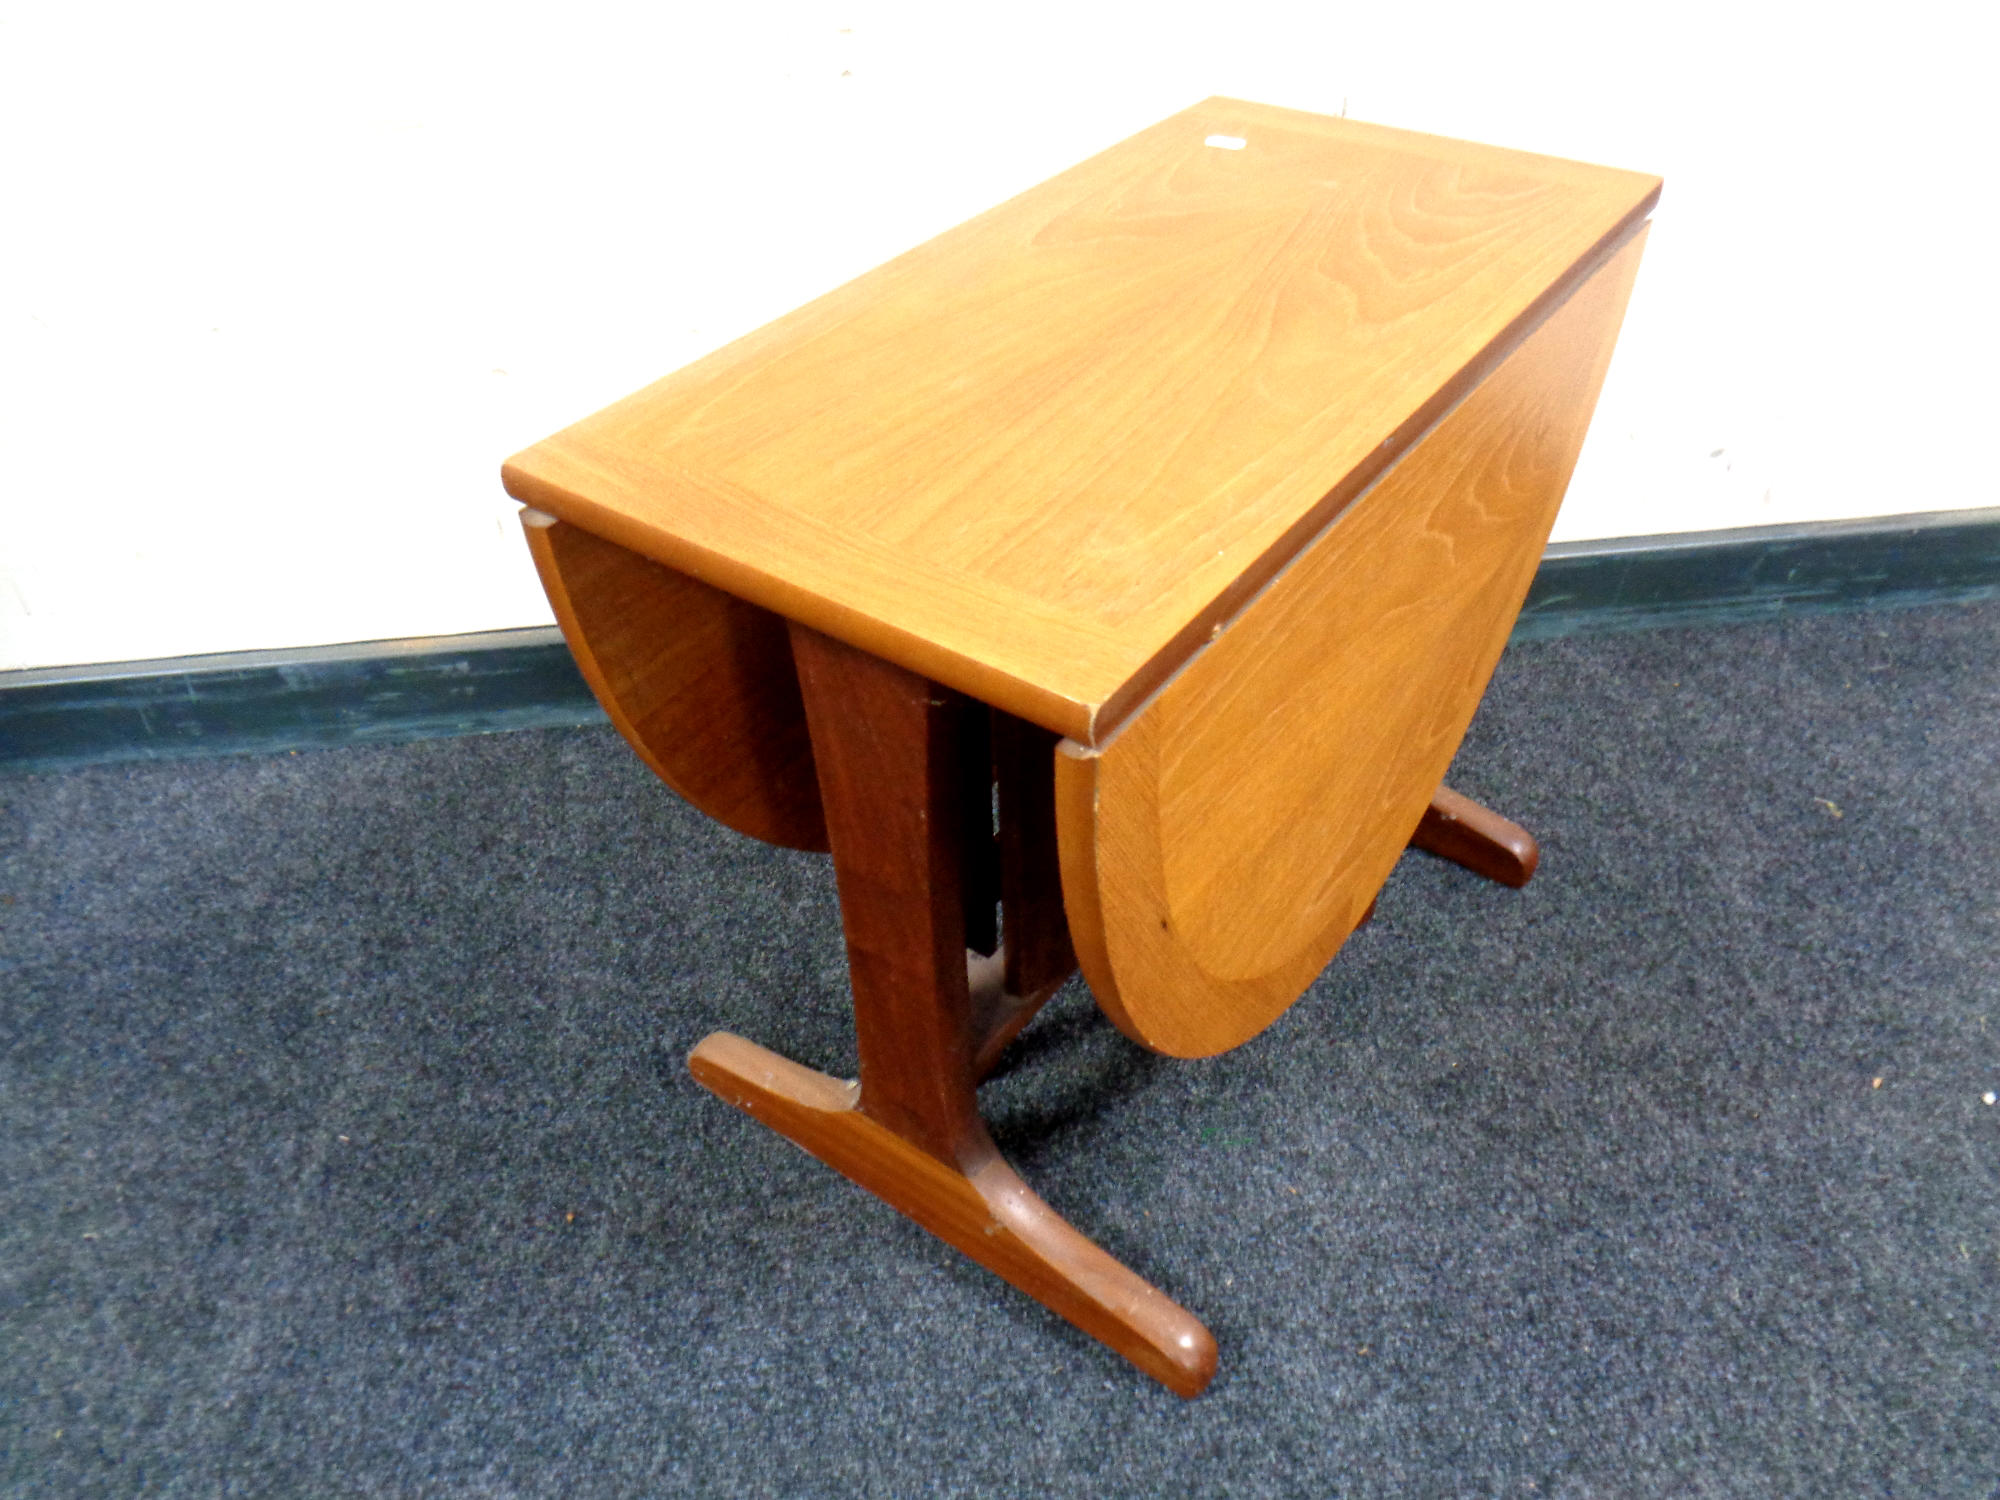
<point x="980" y="1207"/>
<point x="1456" y="828"/>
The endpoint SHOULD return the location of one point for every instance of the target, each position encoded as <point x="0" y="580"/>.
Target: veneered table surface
<point x="1042" y="457"/>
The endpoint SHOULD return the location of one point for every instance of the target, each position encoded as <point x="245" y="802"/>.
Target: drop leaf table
<point x="1179" y="509"/>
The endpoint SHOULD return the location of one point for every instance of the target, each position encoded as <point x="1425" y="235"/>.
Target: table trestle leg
<point x="891" y="749"/>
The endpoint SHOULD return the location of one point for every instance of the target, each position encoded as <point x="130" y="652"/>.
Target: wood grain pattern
<point x="1041" y="456"/>
<point x="700" y="684"/>
<point x="1220" y="848"/>
<point x="1456" y="828"/>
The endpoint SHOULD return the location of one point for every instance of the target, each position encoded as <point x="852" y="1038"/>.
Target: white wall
<point x="281" y="285"/>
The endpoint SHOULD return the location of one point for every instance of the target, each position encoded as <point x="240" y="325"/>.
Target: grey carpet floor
<point x="346" y="1146"/>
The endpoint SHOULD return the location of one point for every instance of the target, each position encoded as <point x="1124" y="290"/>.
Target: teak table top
<point x="1043" y="456"/>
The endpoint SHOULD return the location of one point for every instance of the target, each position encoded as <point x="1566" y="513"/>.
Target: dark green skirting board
<point x="383" y="691"/>
<point x="371" y="692"/>
<point x="1758" y="572"/>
